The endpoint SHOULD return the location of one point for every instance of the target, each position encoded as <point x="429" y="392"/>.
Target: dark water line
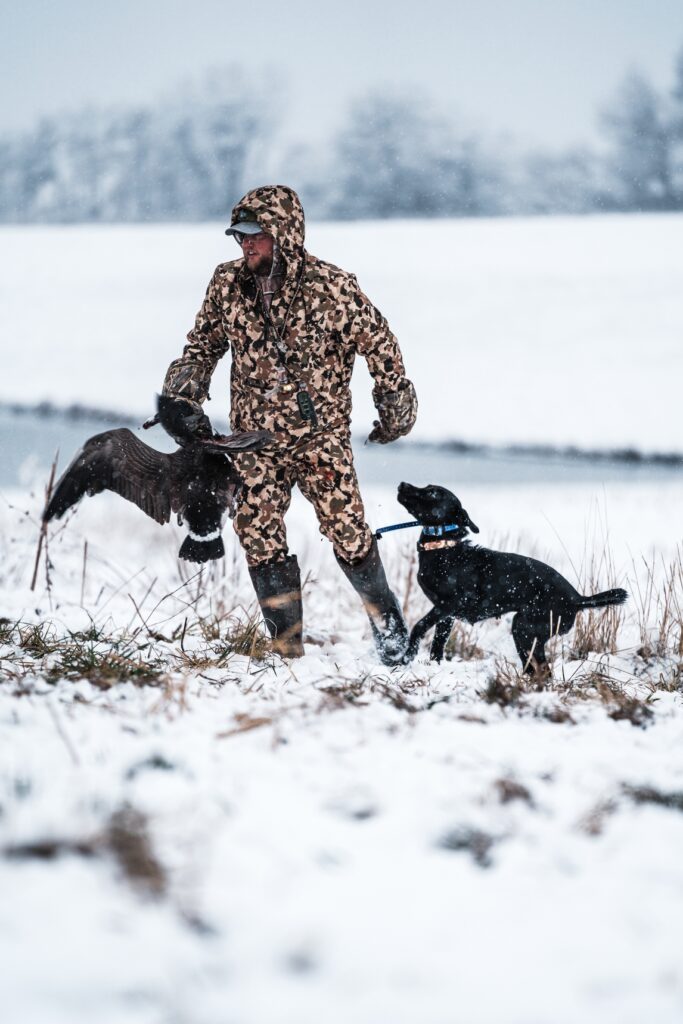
<point x="30" y="435"/>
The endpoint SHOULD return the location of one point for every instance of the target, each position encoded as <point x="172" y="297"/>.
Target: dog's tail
<point x="616" y="596"/>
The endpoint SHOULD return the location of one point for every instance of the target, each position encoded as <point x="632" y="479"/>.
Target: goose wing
<point x="118" y="461"/>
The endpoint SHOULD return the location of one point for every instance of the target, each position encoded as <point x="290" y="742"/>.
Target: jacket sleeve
<point x="189" y="376"/>
<point x="393" y="394"/>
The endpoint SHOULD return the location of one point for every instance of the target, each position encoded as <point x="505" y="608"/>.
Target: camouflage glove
<point x="397" y="413"/>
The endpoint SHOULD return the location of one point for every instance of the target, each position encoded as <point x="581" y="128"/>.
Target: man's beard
<point x="263" y="267"/>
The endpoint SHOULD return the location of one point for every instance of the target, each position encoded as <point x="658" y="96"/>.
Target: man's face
<point x="258" y="252"/>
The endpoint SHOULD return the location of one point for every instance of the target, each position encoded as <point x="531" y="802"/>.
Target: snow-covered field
<point x="247" y="841"/>
<point x="219" y="839"/>
<point x="559" y="330"/>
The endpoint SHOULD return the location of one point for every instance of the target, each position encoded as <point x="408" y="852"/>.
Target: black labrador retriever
<point x="472" y="583"/>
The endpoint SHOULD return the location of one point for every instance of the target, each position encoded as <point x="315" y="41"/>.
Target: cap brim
<point x="245" y="227"/>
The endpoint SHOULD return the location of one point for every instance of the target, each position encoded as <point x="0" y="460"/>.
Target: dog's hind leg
<point x="441" y="635"/>
<point x="530" y="636"/>
<point x="419" y="630"/>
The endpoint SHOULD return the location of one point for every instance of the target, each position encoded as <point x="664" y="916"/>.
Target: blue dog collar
<point x="430" y="531"/>
<point x="438" y="531"/>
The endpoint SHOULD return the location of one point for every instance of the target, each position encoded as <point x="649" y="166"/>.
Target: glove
<point x="183" y="419"/>
<point x="397" y="413"/>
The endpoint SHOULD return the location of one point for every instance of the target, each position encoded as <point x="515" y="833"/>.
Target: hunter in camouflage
<point x="294" y="330"/>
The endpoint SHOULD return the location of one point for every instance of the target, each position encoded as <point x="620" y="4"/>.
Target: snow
<point x="308" y="869"/>
<point x="332" y="838"/>
<point x="559" y="330"/>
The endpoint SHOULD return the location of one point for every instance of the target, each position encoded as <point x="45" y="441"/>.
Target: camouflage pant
<point x="323" y="469"/>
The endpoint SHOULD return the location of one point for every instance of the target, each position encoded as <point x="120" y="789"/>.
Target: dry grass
<point x="596" y="631"/>
<point x="461" y="644"/>
<point x="621" y="705"/>
<point x="141" y="656"/>
<point x="659" y="602"/>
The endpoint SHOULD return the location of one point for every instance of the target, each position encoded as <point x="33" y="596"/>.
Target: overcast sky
<point x="534" y="69"/>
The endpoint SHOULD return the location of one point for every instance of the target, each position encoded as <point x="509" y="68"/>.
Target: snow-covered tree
<point x="641" y="160"/>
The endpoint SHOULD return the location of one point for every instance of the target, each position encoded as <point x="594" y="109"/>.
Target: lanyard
<point x="279" y="336"/>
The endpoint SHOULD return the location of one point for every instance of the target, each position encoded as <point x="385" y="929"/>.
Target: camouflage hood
<point x="279" y="211"/>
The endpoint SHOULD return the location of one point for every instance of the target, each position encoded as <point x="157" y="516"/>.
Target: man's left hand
<point x="397" y="413"/>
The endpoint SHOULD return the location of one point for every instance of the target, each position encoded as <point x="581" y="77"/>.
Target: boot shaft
<point x="278" y="589"/>
<point x="369" y="581"/>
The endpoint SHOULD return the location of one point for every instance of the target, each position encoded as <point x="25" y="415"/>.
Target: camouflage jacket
<point x="324" y="320"/>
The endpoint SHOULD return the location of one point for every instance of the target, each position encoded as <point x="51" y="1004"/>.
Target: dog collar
<point x="438" y="531"/>
<point x="434" y="545"/>
<point x="429" y="531"/>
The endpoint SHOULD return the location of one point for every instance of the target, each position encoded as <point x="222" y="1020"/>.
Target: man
<point x="295" y="324"/>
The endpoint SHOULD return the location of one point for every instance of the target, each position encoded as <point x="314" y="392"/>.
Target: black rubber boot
<point x="386" y="618"/>
<point x="278" y="588"/>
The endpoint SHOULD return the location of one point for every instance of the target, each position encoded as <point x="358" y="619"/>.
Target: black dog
<point x="473" y="583"/>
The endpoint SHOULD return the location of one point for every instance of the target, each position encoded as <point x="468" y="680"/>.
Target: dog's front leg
<point x="441" y="635"/>
<point x="419" y="630"/>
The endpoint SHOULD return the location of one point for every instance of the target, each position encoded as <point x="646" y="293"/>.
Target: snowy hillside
<point x="557" y="330"/>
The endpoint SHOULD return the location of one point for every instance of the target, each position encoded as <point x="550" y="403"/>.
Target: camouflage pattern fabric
<point x="323" y="470"/>
<point x="323" y="319"/>
<point x="397" y="412"/>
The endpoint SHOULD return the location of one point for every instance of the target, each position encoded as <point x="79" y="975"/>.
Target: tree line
<point x="393" y="156"/>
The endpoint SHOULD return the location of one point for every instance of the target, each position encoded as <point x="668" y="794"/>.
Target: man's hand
<point x="397" y="413"/>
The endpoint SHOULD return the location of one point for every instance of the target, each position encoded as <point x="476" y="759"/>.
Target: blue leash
<point x="431" y="531"/>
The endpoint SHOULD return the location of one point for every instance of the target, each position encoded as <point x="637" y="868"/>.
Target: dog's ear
<point x="470" y="525"/>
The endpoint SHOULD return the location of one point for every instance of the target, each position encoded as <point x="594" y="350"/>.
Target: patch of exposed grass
<point x="226" y="635"/>
<point x="509" y="790"/>
<point x="125" y="837"/>
<point x="461" y="645"/>
<point x="596" y="631"/>
<point x="659" y="602"/>
<point x="656" y="797"/>
<point x="620" y="705"/>
<point x="508" y="687"/>
<point x="593" y="823"/>
<point x="469" y="840"/>
<point x="89" y="654"/>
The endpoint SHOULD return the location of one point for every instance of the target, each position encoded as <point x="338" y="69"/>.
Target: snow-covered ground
<point x="559" y="330"/>
<point x="331" y="840"/>
<point x="239" y="841"/>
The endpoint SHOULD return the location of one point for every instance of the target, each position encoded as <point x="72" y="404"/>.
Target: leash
<point x="430" y="531"/>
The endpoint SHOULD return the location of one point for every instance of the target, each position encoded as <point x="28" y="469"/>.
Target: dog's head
<point x="435" y="506"/>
